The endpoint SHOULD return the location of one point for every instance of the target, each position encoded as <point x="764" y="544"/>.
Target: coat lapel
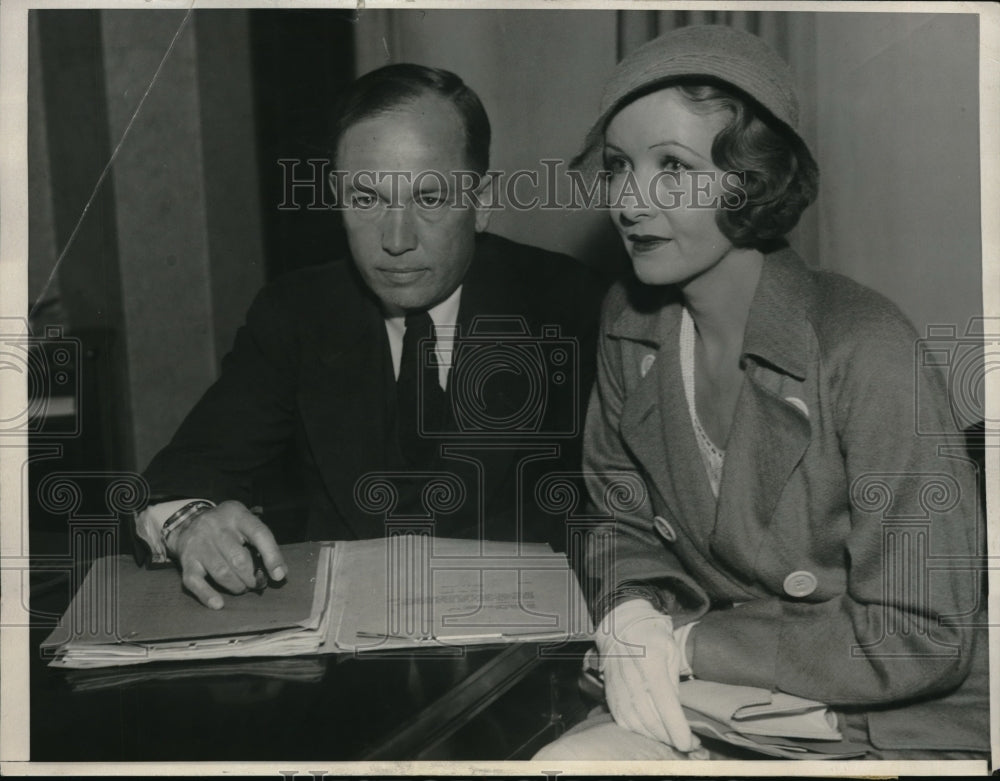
<point x="643" y="416"/>
<point x="767" y="441"/>
<point x="686" y="475"/>
<point x="769" y="434"/>
<point x="656" y="425"/>
<point x="654" y="421"/>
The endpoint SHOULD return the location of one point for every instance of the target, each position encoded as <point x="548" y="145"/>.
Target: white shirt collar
<point x="445" y="317"/>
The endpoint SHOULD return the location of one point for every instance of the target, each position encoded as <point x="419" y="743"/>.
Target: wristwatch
<point x="182" y="516"/>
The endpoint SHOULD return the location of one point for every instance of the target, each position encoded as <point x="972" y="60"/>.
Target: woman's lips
<point x="646" y="242"/>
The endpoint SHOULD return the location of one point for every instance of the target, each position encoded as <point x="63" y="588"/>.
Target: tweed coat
<point x="840" y="561"/>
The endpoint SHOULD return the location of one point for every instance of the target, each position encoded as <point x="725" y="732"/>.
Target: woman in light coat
<point x="785" y="526"/>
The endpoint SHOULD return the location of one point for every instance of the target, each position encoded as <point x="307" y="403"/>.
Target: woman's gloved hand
<point x="641" y="662"/>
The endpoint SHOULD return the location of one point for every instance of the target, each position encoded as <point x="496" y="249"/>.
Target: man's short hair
<point x="397" y="86"/>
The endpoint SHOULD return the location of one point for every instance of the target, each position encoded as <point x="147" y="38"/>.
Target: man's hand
<point x="641" y="663"/>
<point x="213" y="545"/>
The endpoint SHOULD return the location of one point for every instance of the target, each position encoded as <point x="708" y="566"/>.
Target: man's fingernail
<point x="279" y="573"/>
<point x="215" y="602"/>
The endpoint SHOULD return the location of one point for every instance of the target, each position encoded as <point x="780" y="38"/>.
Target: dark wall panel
<point x="301" y="60"/>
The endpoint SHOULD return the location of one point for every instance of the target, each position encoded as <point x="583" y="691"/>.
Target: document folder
<point x="404" y="591"/>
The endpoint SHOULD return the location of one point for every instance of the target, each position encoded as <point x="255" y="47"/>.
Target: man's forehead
<point x="425" y="133"/>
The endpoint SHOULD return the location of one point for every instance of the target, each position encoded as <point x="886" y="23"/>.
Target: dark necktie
<point x="419" y="397"/>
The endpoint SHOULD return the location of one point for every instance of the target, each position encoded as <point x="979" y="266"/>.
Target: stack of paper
<point x="401" y="592"/>
<point x="442" y="592"/>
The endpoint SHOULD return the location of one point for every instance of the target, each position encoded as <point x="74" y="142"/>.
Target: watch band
<point x="183" y="515"/>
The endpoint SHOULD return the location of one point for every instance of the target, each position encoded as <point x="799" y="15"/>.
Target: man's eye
<point x="429" y="200"/>
<point x="362" y="200"/>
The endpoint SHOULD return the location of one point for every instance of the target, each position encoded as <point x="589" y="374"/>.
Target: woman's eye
<point x="616" y="165"/>
<point x="674" y="164"/>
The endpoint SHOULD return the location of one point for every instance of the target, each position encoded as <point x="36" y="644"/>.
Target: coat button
<point x="665" y="529"/>
<point x="800" y="583"/>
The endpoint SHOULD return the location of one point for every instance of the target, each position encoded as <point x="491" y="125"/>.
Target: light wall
<point x="898" y="124"/>
<point x="189" y="240"/>
<point x="42" y="283"/>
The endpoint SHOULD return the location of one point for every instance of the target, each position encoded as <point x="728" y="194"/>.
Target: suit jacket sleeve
<point x="244" y="419"/>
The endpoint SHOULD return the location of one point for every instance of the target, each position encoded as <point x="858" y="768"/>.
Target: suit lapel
<point x="487" y="292"/>
<point x="344" y="402"/>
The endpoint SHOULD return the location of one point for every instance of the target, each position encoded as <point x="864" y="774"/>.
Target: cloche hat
<point x="736" y="57"/>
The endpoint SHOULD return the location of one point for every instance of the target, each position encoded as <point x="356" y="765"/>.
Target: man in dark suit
<point x="435" y="379"/>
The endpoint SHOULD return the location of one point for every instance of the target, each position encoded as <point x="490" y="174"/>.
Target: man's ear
<point x="484" y="204"/>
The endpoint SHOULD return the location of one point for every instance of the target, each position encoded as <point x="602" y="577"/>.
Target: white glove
<point x="641" y="662"/>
